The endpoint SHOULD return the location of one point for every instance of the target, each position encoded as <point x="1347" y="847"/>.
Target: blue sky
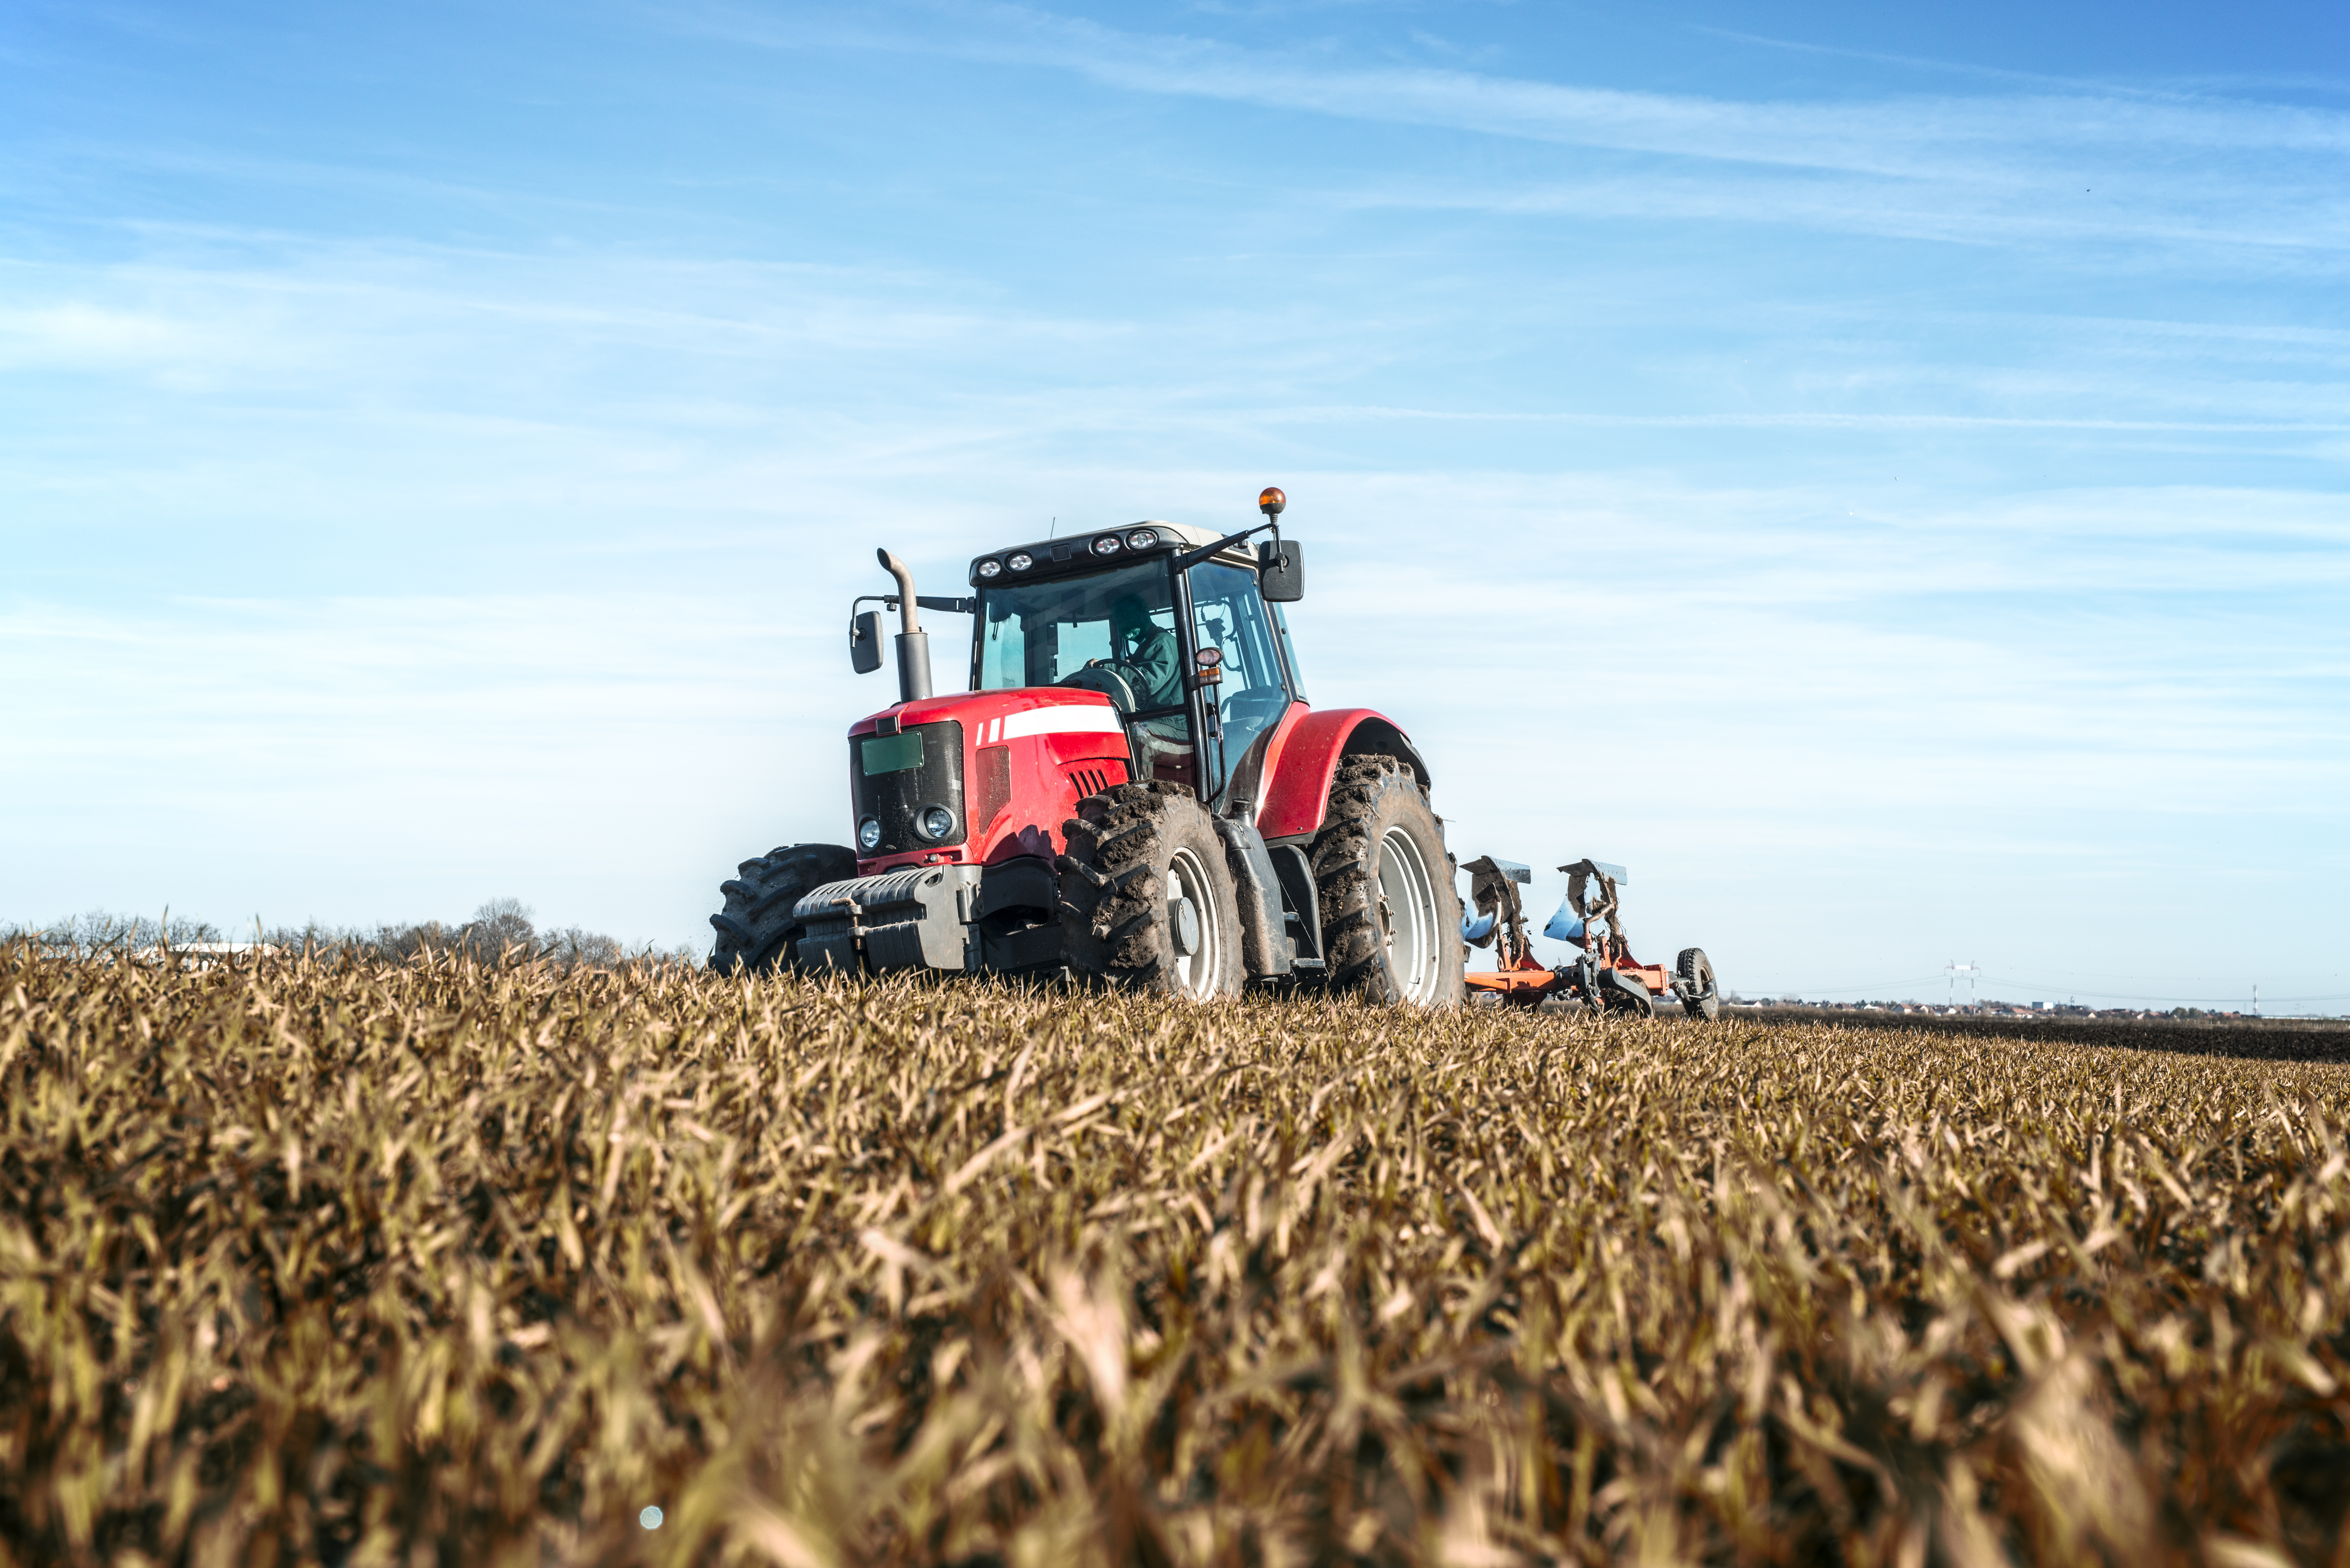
<point x="1878" y="475"/>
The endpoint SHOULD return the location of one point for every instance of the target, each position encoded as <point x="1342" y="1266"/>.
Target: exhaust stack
<point x="914" y="642"/>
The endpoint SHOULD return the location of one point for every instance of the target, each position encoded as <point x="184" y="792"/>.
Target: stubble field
<point x="439" y="1264"/>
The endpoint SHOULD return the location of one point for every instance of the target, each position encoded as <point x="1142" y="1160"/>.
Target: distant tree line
<point x="500" y="931"/>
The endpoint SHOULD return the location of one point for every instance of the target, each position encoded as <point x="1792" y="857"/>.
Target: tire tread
<point x="1113" y="902"/>
<point x="1340" y="858"/>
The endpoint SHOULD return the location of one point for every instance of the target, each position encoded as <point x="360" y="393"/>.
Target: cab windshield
<point x="1042" y="633"/>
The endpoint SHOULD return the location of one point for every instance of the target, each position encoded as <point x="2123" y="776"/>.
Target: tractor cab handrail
<point x="1190" y="558"/>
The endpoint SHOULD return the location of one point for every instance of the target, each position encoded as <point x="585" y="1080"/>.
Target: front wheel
<point x="1700" y="995"/>
<point x="755" y="929"/>
<point x="1390" y="920"/>
<point x="1147" y="896"/>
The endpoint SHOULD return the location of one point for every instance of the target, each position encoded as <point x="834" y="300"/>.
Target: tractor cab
<point x="1179" y="629"/>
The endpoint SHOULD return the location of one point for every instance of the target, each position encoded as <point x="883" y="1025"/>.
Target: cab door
<point x="1228" y="614"/>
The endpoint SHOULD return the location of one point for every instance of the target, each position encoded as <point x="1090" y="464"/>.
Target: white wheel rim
<point x="1195" y="973"/>
<point x="1408" y="914"/>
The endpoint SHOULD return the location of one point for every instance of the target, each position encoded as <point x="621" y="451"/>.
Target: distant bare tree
<point x="409" y="941"/>
<point x="500" y="931"/>
<point x="573" y="947"/>
<point x="101" y="931"/>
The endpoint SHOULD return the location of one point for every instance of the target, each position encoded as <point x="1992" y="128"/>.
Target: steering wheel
<point x="1106" y="679"/>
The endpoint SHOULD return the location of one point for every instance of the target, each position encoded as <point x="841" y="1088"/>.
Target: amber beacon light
<point x="1270" y="501"/>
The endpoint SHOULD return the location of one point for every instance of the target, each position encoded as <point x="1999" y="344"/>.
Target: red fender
<point x="1304" y="754"/>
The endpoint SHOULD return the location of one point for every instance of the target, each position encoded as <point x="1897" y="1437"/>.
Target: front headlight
<point x="1020" y="560"/>
<point x="1107" y="545"/>
<point x="936" y="822"/>
<point x="991" y="568"/>
<point x="868" y="834"/>
<point x="1142" y="538"/>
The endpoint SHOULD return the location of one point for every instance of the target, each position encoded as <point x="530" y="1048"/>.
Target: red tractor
<point x="1134" y="790"/>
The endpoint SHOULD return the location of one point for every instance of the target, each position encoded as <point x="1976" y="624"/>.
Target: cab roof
<point x="1074" y="551"/>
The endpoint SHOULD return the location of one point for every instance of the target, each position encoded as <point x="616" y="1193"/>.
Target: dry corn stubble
<point x="434" y="1263"/>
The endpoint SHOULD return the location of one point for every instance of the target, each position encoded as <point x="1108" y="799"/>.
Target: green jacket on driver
<point x="1144" y="653"/>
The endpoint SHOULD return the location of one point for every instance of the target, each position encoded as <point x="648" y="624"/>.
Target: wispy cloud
<point x="1920" y="135"/>
<point x="2064" y="161"/>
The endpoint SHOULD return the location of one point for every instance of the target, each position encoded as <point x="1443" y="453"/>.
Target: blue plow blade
<point x="1566" y="926"/>
<point x="1477" y="927"/>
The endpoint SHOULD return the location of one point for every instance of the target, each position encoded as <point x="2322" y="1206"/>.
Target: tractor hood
<point x="1055" y="709"/>
<point x="979" y="777"/>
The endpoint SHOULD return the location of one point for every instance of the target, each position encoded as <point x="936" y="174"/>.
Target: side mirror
<point x="864" y="642"/>
<point x="1280" y="569"/>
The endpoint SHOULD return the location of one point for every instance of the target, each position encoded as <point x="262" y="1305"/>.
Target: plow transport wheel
<point x="755" y="929"/>
<point x="1700" y="996"/>
<point x="1147" y="898"/>
<point x="1390" y="918"/>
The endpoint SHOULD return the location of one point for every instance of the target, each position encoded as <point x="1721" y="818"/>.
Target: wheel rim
<point x="1408" y="915"/>
<point x="1196" y="971"/>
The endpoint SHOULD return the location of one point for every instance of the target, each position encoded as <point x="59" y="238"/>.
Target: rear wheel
<point x="1147" y="898"/>
<point x="1390" y="921"/>
<point x="1700" y="996"/>
<point x="755" y="929"/>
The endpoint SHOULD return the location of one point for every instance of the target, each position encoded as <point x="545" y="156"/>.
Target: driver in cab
<point x="1144" y="653"/>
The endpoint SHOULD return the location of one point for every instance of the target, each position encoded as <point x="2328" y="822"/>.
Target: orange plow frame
<point x="1526" y="982"/>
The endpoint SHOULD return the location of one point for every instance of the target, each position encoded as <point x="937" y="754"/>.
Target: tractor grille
<point x="1089" y="781"/>
<point x="894" y="778"/>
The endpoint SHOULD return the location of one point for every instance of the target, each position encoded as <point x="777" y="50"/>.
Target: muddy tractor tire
<point x="755" y="929"/>
<point x="1700" y="993"/>
<point x="1147" y="901"/>
<point x="1391" y="916"/>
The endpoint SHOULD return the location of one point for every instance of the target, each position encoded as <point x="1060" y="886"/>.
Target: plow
<point x="1604" y="976"/>
<point x="1135" y="790"/>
